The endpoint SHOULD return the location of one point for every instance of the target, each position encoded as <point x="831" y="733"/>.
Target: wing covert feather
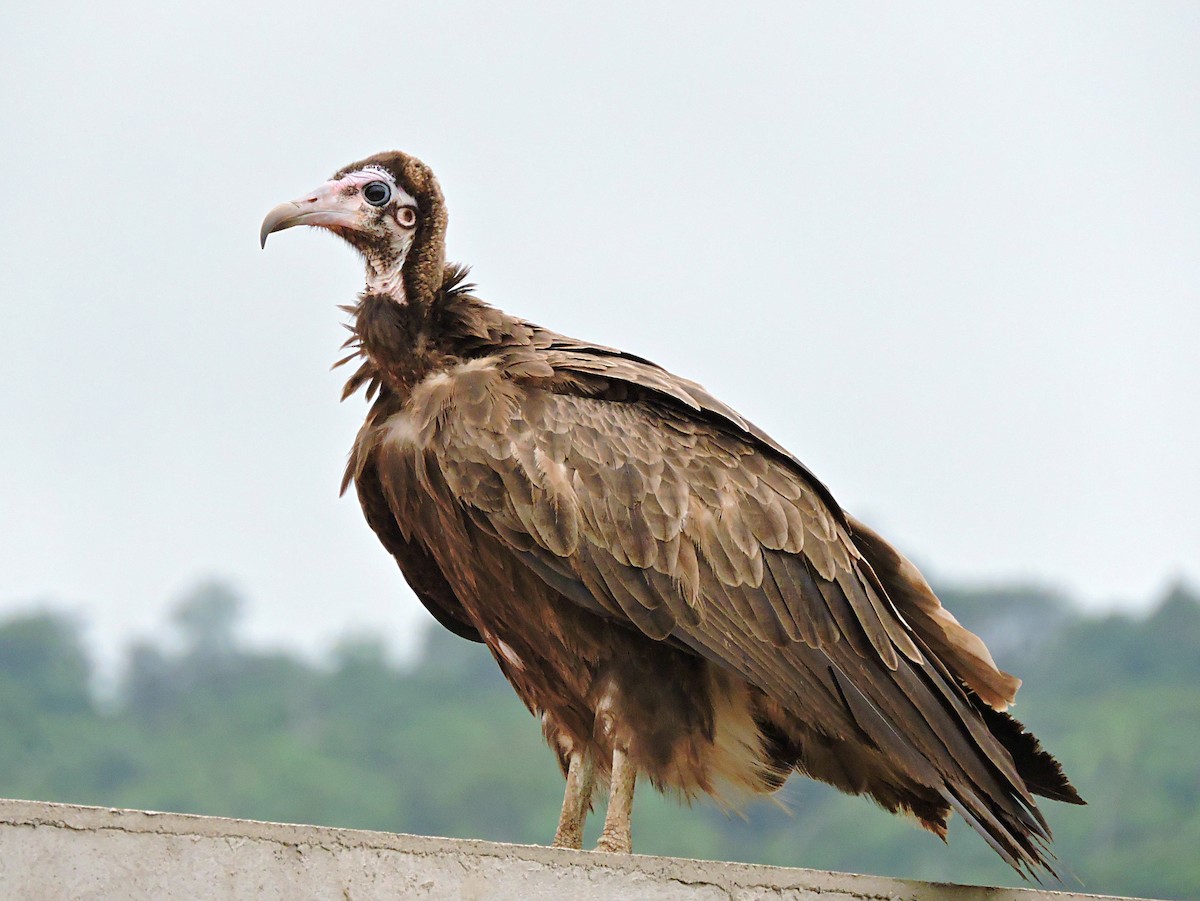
<point x="616" y="489"/>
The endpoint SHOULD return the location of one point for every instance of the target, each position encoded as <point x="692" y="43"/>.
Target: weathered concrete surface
<point x="52" y="852"/>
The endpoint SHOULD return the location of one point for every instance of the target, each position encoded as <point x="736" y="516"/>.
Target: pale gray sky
<point x="948" y="253"/>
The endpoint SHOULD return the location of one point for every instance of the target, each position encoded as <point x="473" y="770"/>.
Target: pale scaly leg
<point x="581" y="781"/>
<point x="618" y="825"/>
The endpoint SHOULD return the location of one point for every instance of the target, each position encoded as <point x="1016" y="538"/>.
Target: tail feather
<point x="1043" y="774"/>
<point x="960" y="649"/>
<point x="1007" y="819"/>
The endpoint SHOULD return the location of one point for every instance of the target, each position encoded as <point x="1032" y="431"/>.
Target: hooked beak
<point x="329" y="206"/>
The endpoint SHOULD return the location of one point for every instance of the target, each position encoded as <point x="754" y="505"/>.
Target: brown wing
<point x="963" y="652"/>
<point x="420" y="570"/>
<point x="665" y="512"/>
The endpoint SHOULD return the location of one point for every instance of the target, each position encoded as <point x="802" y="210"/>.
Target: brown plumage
<point x="674" y="593"/>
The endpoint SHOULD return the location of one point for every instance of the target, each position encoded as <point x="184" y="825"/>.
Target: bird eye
<point x="377" y="193"/>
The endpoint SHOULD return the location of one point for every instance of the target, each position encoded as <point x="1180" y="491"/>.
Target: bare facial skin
<point x="370" y="211"/>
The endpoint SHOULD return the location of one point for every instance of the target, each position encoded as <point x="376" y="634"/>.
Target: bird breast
<point x="473" y="392"/>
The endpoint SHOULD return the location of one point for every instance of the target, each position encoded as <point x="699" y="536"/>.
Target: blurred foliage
<point x="443" y="747"/>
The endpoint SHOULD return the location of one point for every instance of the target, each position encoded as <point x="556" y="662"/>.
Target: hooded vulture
<point x="669" y="589"/>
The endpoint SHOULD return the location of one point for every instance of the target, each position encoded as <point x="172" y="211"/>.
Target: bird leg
<point x="618" y="825"/>
<point x="581" y="781"/>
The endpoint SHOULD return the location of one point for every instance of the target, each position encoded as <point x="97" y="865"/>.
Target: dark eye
<point x="377" y="193"/>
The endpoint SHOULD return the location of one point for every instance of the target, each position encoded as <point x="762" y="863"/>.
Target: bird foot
<point x="618" y="844"/>
<point x="568" y="838"/>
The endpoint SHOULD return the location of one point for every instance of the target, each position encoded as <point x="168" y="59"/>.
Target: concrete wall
<point x="57" y="851"/>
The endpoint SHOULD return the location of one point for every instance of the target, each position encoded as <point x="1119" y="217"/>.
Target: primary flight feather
<point x="670" y="590"/>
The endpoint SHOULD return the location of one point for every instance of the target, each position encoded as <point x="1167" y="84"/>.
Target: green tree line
<point x="440" y="745"/>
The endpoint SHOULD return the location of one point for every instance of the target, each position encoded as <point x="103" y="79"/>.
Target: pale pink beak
<point x="329" y="205"/>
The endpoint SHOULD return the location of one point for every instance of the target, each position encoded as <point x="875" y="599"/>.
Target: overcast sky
<point x="949" y="254"/>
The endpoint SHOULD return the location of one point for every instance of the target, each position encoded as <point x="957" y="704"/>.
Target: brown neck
<point x="395" y="341"/>
<point x="425" y="265"/>
<point x="403" y="343"/>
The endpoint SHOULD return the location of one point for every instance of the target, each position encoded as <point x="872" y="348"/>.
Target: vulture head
<point x="390" y="209"/>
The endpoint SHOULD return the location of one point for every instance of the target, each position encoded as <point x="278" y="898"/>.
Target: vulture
<point x="671" y="591"/>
